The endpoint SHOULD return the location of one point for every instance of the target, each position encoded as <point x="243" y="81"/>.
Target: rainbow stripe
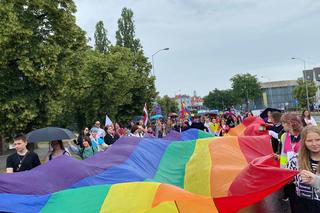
<point x="151" y="175"/>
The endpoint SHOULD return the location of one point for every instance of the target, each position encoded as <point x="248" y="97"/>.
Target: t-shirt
<point x="308" y="199"/>
<point x="277" y="128"/>
<point x="198" y="126"/>
<point x="109" y="139"/>
<point x="305" y="190"/>
<point x="28" y="161"/>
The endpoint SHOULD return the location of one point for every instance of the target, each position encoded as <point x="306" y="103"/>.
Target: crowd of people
<point x="295" y="140"/>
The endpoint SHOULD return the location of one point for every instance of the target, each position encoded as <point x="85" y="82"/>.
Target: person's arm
<point x="273" y="134"/>
<point x="74" y="149"/>
<point x="309" y="178"/>
<point x="9" y="170"/>
<point x="9" y="167"/>
<point x="313" y="122"/>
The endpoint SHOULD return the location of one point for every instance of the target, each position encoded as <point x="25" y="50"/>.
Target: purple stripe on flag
<point x="64" y="171"/>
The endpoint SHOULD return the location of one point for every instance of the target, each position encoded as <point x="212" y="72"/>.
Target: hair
<point x="134" y="128"/>
<point x="20" y="137"/>
<point x="60" y="144"/>
<point x="276" y="116"/>
<point x="293" y="120"/>
<point x="309" y="116"/>
<point x="87" y="138"/>
<point x="94" y="130"/>
<point x="304" y="153"/>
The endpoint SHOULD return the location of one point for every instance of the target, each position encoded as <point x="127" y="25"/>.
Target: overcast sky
<point x="212" y="40"/>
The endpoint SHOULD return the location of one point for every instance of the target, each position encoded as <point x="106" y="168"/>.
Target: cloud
<point x="211" y="40"/>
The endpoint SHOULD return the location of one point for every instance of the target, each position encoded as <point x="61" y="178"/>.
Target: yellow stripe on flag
<point x="167" y="207"/>
<point x="198" y="169"/>
<point x="130" y="197"/>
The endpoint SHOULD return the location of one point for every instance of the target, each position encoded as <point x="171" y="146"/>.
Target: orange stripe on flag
<point x="227" y="162"/>
<point x="185" y="201"/>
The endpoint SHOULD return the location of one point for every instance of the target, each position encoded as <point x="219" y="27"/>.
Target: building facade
<point x="277" y="94"/>
<point x="190" y="102"/>
<point x="314" y="75"/>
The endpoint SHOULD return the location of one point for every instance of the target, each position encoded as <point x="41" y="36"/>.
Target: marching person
<point x="96" y="141"/>
<point x="307" y="184"/>
<point x="86" y="151"/>
<point x="290" y="145"/>
<point x="57" y="150"/>
<point x="22" y="159"/>
<point x="307" y="119"/>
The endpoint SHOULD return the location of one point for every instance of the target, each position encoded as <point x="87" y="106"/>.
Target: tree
<point x="167" y="104"/>
<point x="40" y="44"/>
<point x="101" y="41"/>
<point x="299" y="92"/>
<point x="220" y="99"/>
<point x="144" y="90"/>
<point x="125" y="34"/>
<point x="245" y="87"/>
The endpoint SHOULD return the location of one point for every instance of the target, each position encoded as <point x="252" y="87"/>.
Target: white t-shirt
<point x="310" y="121"/>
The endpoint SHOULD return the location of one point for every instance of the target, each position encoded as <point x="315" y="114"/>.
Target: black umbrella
<point x="49" y="134"/>
<point x="264" y="114"/>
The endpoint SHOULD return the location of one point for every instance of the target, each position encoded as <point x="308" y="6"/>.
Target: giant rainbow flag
<point x="180" y="173"/>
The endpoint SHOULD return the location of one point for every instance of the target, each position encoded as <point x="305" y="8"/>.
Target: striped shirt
<point x="305" y="190"/>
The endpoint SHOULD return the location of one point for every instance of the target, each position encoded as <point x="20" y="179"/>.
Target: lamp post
<point x="304" y="80"/>
<point x="154" y="55"/>
<point x="271" y="99"/>
<point x="247" y="97"/>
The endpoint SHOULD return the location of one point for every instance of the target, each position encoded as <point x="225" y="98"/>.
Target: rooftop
<point x="273" y="84"/>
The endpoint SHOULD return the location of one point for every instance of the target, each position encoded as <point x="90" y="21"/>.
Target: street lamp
<point x="304" y="80"/>
<point x="269" y="90"/>
<point x="153" y="59"/>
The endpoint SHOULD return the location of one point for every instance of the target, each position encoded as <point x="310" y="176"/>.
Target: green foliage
<point x="125" y="34"/>
<point x="220" y="99"/>
<point x="102" y="43"/>
<point x="167" y="104"/>
<point x="143" y="90"/>
<point x="245" y="87"/>
<point x="299" y="92"/>
<point x="48" y="75"/>
<point x="38" y="41"/>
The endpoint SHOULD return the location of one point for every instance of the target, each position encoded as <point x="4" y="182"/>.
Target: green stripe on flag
<point x="202" y="134"/>
<point x="84" y="199"/>
<point x="171" y="169"/>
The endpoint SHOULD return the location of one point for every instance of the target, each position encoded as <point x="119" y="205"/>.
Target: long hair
<point x="60" y="144"/>
<point x="293" y="120"/>
<point x="304" y="153"/>
<point x="309" y="116"/>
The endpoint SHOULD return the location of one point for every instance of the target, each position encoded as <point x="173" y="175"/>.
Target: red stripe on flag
<point x="255" y="147"/>
<point x="259" y="179"/>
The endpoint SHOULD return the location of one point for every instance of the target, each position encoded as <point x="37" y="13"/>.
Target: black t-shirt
<point x="230" y="122"/>
<point x="198" y="126"/>
<point x="108" y="139"/>
<point x="29" y="161"/>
